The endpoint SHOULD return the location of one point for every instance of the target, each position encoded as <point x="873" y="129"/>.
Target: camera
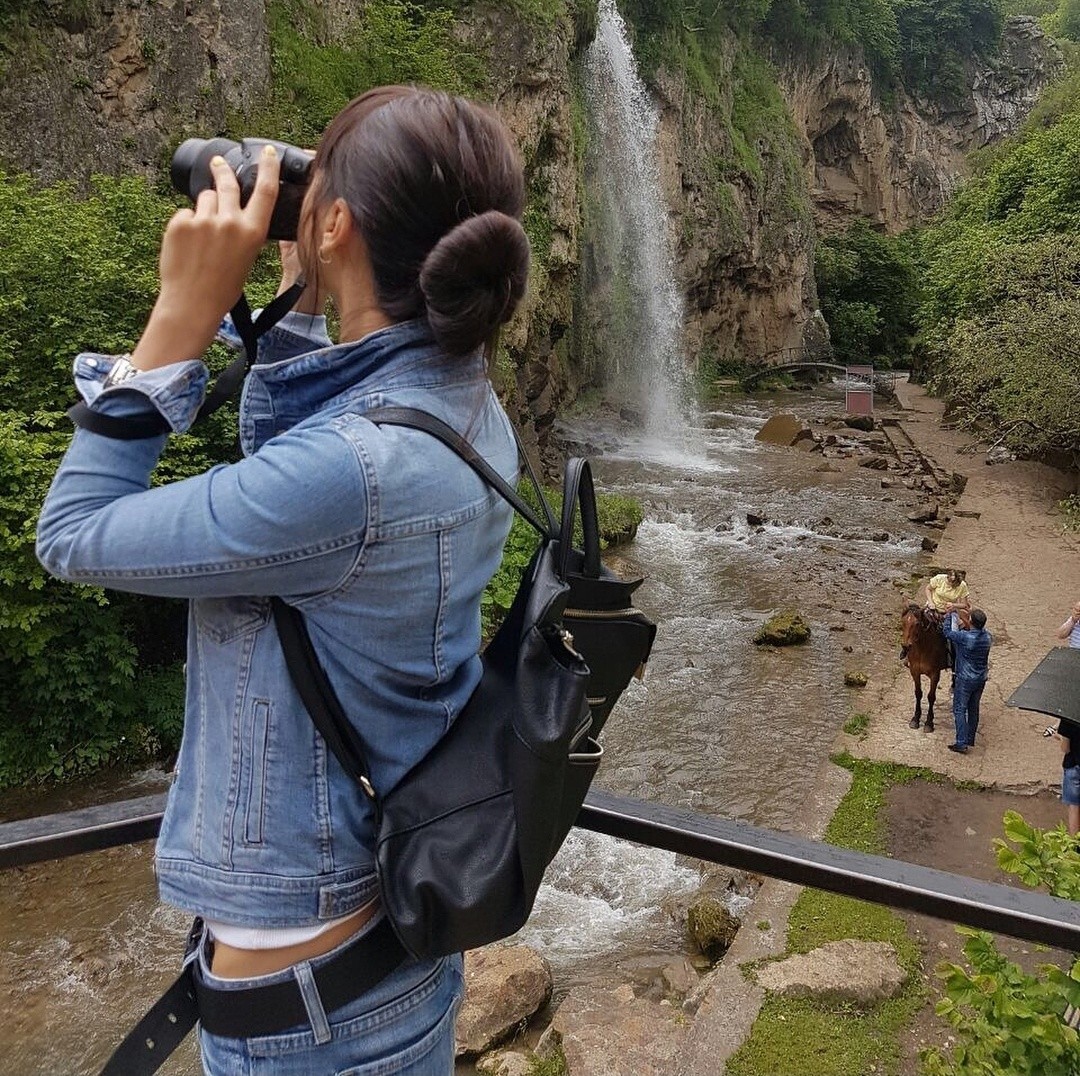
<point x="190" y="174"/>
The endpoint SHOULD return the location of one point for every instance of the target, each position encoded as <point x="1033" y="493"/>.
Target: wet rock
<point x="849" y="649"/>
<point x="712" y="927"/>
<point x="881" y="536"/>
<point x="924" y="515"/>
<point x="754" y="520"/>
<point x="855" y="679"/>
<point x="504" y="986"/>
<point x="929" y="545"/>
<point x="783" y="429"/>
<point x="837" y="627"/>
<point x="999" y="454"/>
<point x="854" y="971"/>
<point x="680" y="977"/>
<point x="859" y="422"/>
<point x="603" y="1032"/>
<point x="504" y="1063"/>
<point x="783" y="629"/>
<point x="628" y="414"/>
<point x="887" y="483"/>
<point x="874" y="463"/>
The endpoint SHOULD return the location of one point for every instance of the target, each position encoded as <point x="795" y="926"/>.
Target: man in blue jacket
<point x="972" y="650"/>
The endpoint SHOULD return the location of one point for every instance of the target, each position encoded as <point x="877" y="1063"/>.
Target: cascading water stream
<point x="636" y="305"/>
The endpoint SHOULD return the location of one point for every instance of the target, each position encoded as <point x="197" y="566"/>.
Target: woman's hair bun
<point x="474" y="278"/>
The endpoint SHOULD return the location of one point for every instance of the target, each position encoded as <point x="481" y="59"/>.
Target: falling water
<point x="636" y="308"/>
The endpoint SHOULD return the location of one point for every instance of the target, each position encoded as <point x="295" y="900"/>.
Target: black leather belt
<point x="250" y="1011"/>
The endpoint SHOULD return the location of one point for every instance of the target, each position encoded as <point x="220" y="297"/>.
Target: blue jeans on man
<point x="966" y="696"/>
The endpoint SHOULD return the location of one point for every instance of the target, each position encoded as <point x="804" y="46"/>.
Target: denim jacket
<point x="380" y="535"/>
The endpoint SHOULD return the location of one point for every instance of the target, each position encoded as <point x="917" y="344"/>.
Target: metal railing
<point x="1019" y="913"/>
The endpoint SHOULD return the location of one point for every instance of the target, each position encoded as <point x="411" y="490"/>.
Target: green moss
<point x="783" y="629"/>
<point x="857" y="724"/>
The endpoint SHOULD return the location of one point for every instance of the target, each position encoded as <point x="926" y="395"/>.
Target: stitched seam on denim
<point x="223" y="567"/>
<point x="437" y="654"/>
<point x="232" y="801"/>
<point x="203" y="725"/>
<point x="323" y="818"/>
<point x="412" y="1055"/>
<point x="259" y="750"/>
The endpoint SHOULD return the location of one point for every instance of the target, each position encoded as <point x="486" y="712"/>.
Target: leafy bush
<point x="868" y="291"/>
<point x="1008" y="1022"/>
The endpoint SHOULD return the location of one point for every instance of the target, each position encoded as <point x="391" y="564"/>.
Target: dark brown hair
<point x="435" y="186"/>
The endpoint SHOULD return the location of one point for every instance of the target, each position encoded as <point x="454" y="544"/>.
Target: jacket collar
<point x="400" y="355"/>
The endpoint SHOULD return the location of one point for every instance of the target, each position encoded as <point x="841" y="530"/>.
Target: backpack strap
<point x="307" y="674"/>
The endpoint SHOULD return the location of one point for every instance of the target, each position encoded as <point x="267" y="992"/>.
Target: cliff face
<point x="745" y="237"/>
<point x="897" y="163"/>
<point x="113" y="89"/>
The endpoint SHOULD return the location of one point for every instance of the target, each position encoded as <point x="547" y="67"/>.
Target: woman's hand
<point x="206" y="256"/>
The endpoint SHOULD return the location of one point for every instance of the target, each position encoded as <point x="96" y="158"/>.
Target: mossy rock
<point x="855" y="679"/>
<point x="783" y="629"/>
<point x="712" y="927"/>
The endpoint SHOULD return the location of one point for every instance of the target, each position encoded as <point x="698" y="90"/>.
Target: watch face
<point x="122" y="371"/>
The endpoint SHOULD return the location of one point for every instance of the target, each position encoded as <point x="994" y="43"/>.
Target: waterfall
<point x="634" y="305"/>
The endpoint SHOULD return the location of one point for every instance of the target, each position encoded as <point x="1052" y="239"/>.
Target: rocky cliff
<point x="892" y="157"/>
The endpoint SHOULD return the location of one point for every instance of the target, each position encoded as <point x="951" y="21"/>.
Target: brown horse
<point x="927" y="654"/>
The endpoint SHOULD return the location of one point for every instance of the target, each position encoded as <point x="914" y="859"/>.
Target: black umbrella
<point x="1053" y="686"/>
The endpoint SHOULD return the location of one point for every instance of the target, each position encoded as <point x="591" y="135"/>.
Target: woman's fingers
<point x="261" y="204"/>
<point x="228" y="190"/>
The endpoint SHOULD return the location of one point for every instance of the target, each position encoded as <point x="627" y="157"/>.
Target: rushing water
<point x="718" y="725"/>
<point x="630" y="269"/>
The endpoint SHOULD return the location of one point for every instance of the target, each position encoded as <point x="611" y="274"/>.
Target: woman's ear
<point x="336" y="229"/>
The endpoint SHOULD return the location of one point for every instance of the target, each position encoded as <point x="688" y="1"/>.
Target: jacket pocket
<point x="225" y="619"/>
<point x="257" y="735"/>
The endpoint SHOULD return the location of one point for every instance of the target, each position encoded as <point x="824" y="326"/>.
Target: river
<point x="718" y="725"/>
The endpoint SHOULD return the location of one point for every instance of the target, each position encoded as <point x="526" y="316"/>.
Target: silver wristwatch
<point x="122" y="370"/>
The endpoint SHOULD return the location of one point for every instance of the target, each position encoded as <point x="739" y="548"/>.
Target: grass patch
<point x="817" y="1038"/>
<point x="857" y="724"/>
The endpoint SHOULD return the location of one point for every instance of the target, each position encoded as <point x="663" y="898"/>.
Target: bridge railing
<point x="1032" y="916"/>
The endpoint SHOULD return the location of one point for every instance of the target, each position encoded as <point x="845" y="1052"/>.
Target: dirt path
<point x="1005" y="533"/>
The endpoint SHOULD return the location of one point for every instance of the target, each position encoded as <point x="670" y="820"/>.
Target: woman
<point x="947" y="592"/>
<point x="380" y="535"/>
<point x="1071" y="628"/>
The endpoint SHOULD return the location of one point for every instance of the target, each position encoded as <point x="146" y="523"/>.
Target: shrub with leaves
<point x="1008" y="1022"/>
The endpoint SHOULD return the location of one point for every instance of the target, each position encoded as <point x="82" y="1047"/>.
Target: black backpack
<point x="464" y="837"/>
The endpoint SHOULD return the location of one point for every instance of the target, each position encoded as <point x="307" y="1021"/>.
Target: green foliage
<point x="868" y="291"/>
<point x="937" y="37"/>
<point x="1040" y="857"/>
<point x="389" y="42"/>
<point x="86" y="677"/>
<point x="1070" y="511"/>
<point x="1005" y="1020"/>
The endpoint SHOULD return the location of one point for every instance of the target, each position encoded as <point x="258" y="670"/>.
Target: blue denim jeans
<point x="404" y="1026"/>
<point x="966" y="696"/>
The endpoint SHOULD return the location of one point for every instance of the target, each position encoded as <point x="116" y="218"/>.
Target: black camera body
<point x="190" y="174"/>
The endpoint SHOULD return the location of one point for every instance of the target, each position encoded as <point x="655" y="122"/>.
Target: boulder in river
<point x="783" y="629"/>
<point x="712" y="926"/>
<point x="784" y="429"/>
<point x="504" y="986"/>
